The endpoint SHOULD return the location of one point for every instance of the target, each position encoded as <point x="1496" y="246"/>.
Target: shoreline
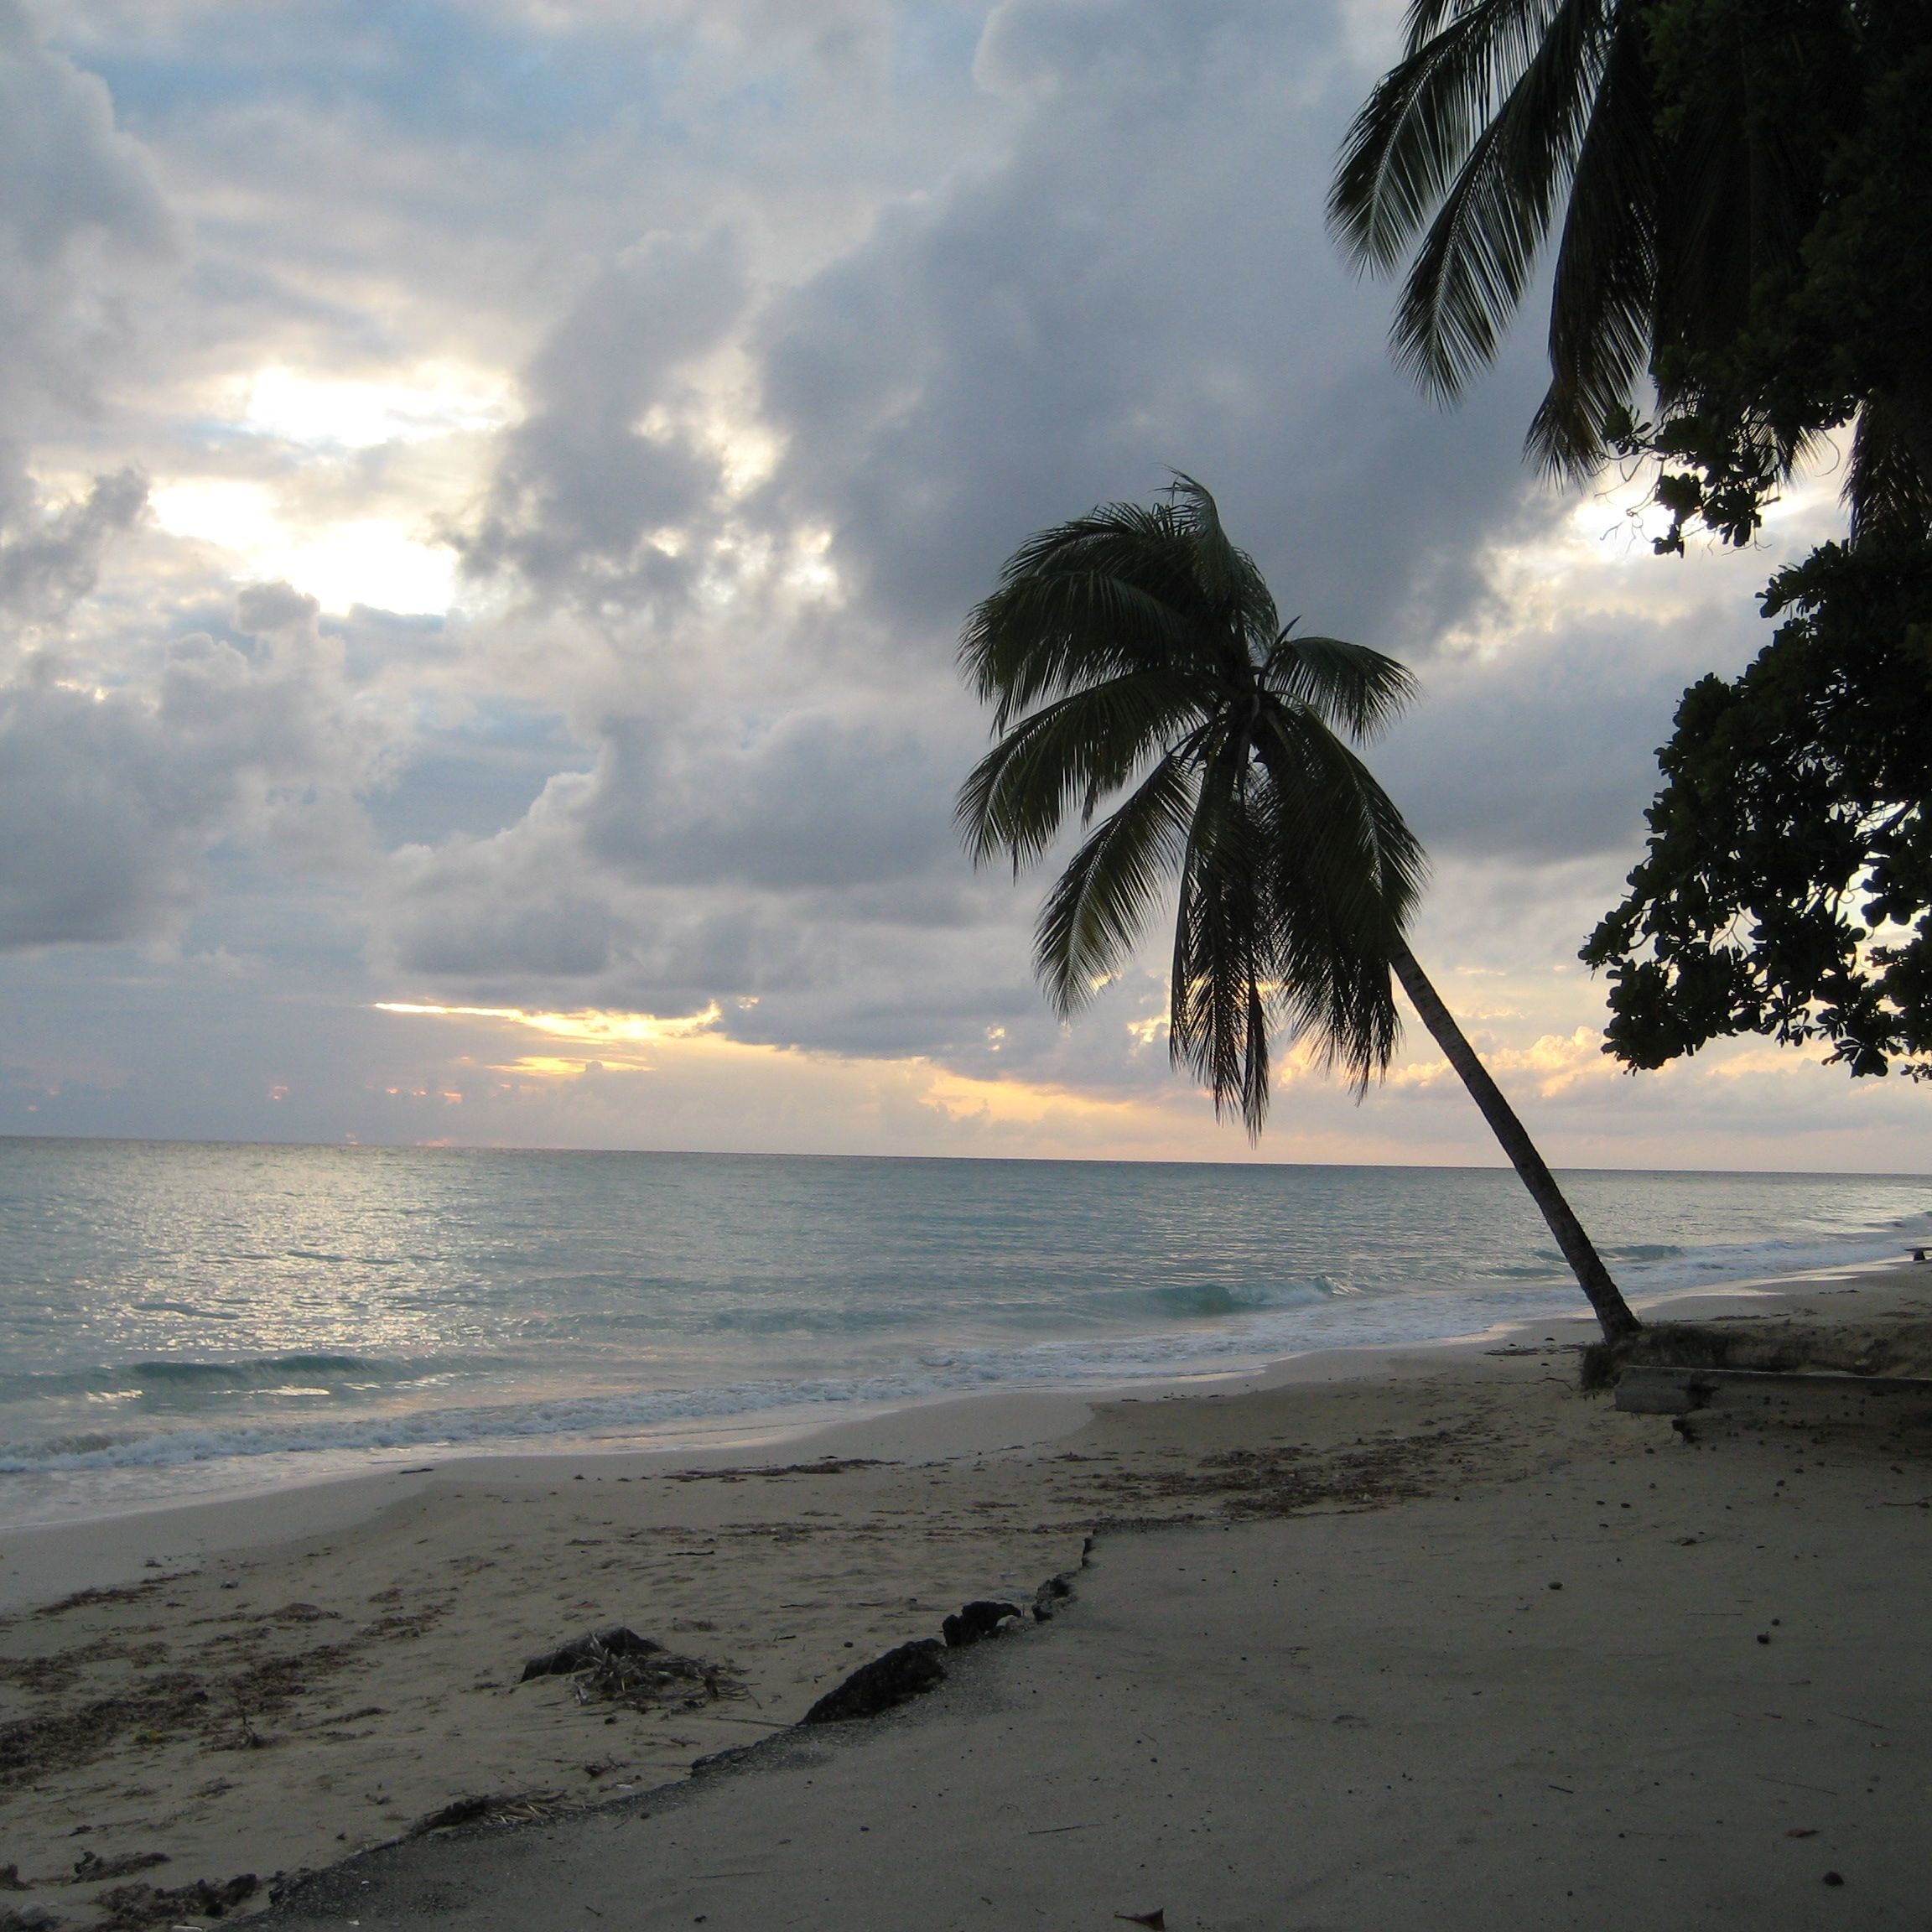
<point x="53" y="1556"/>
<point x="161" y="1410"/>
<point x="302" y="1675"/>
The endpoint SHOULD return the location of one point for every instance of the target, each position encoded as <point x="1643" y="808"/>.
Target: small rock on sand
<point x="975" y="1622"/>
<point x="906" y="1672"/>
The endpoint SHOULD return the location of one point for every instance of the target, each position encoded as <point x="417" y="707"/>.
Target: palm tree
<point x="1137" y="650"/>
<point x="1672" y="215"/>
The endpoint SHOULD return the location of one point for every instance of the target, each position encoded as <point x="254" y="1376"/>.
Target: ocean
<point x="181" y="1320"/>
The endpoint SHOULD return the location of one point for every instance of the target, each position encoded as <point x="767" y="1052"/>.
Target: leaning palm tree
<point x="1137" y="650"/>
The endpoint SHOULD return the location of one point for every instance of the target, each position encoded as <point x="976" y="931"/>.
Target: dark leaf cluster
<point x="1787" y="890"/>
<point x="1737" y="189"/>
<point x="1833" y="333"/>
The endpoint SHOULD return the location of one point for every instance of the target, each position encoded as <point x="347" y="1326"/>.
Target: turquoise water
<point x="179" y="1320"/>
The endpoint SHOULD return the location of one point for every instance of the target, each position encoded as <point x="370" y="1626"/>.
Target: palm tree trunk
<point x="1613" y="1312"/>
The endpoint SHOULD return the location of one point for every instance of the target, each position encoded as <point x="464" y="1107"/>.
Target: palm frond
<point x="1096" y="910"/>
<point x="1234" y="593"/>
<point x="1067" y="756"/>
<point x="1217" y="1010"/>
<point x="1468" y="275"/>
<point x="1889" y="493"/>
<point x="1707" y="223"/>
<point x="1343" y="833"/>
<point x="1418" y="128"/>
<point x="1349" y="685"/>
<point x="1062" y="627"/>
<point x="1348" y="875"/>
<point x="1603" y="300"/>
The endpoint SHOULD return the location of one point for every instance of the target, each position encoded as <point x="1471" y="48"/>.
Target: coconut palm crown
<point x="1136" y="648"/>
<point x="1506" y="118"/>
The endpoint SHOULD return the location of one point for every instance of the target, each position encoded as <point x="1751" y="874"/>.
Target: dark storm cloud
<point x="1144" y="282"/>
<point x="494" y="910"/>
<point x="1546" y="751"/>
<point x="818" y="799"/>
<point x="1139" y="280"/>
<point x="587" y="477"/>
<point x="698" y="859"/>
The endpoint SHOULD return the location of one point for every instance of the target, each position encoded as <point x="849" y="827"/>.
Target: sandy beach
<point x="1428" y="1637"/>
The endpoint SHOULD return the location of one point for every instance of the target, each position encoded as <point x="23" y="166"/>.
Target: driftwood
<point x="593" y="1648"/>
<point x="619" y="1666"/>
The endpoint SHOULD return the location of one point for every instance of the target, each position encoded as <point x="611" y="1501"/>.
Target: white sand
<point x="1368" y="1706"/>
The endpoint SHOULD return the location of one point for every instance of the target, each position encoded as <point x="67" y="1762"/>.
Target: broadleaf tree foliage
<point x="1787" y="887"/>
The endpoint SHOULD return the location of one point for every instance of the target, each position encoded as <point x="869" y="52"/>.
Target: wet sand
<point x="1314" y="1672"/>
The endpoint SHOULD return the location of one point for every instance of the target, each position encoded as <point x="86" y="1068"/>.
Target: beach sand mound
<point x="1874" y="1344"/>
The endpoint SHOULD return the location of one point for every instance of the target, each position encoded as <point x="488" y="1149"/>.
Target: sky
<point x="488" y="491"/>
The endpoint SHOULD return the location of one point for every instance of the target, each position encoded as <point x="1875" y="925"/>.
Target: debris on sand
<point x="134" y="1908"/>
<point x="580" y="1653"/>
<point x="1049" y="1596"/>
<point x="28" y="1918"/>
<point x="508" y="1807"/>
<point x="458" y="1811"/>
<point x="90" y="1866"/>
<point x="906" y="1672"/>
<point x="63" y="1739"/>
<point x="618" y="1666"/>
<point x="825" y="1466"/>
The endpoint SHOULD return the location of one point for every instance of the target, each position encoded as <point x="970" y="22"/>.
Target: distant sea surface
<point x="181" y="1320"/>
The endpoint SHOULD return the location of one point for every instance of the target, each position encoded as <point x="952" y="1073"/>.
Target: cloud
<point x="82" y="225"/>
<point x="111" y="798"/>
<point x="688" y="865"/>
<point x="502" y="909"/>
<point x="732" y="347"/>
<point x="768" y="813"/>
<point x="51" y="560"/>
<point x="823" y="799"/>
<point x="1546" y="751"/>
<point x="1143" y="281"/>
<point x="609" y="453"/>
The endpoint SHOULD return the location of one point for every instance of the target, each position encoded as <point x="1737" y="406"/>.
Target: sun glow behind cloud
<point x="609" y="1038"/>
<point x="851" y="1089"/>
<point x="288" y="525"/>
<point x="367" y="560"/>
<point x="332" y="411"/>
